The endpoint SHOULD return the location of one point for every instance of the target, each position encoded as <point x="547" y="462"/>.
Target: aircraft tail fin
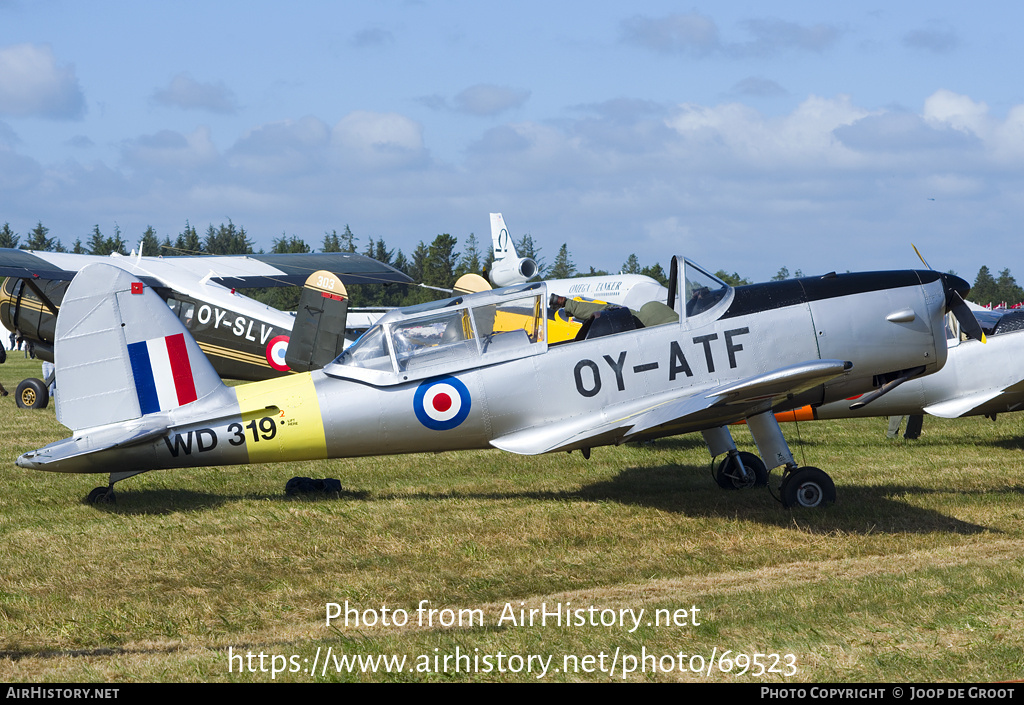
<point x="508" y="267"/>
<point x="500" y="238"/>
<point x="318" y="335"/>
<point x="121" y="353"/>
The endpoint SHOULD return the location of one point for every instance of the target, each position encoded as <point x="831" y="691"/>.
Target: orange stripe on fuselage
<point x="804" y="413"/>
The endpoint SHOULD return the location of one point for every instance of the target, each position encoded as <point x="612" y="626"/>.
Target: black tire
<point x="754" y="474"/>
<point x="32" y="394"/>
<point x="807" y="488"/>
<point x="101" y="495"/>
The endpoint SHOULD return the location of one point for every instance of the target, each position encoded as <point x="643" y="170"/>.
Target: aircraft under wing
<point x="717" y="405"/>
<point x="233" y="272"/>
<point x="964" y="406"/>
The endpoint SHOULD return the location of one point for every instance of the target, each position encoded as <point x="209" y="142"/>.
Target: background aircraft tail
<point x="318" y="335"/>
<point x="508" y="267"/>
<point x="121" y="353"/>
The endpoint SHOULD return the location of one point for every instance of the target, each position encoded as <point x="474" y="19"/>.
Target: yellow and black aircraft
<point x="243" y="338"/>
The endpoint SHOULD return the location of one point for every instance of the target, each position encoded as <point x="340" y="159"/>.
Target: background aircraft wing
<point x="683" y="412"/>
<point x="232" y="271"/>
<point x="23" y="264"/>
<point x="293" y="269"/>
<point x="965" y="405"/>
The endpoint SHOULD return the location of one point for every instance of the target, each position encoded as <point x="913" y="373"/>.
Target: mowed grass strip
<point x="915" y="574"/>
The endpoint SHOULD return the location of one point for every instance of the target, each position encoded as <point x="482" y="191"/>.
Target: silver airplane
<point x="477" y="371"/>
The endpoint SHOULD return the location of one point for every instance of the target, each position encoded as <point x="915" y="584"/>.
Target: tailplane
<point x="121" y="353"/>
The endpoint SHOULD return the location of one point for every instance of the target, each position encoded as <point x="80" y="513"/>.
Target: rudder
<point x="120" y="352"/>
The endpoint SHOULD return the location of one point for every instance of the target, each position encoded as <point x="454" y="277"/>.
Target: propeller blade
<point x="920" y="256"/>
<point x="968" y="323"/>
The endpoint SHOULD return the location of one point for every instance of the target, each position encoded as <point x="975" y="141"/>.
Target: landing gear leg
<point x="738" y="470"/>
<point x="807" y="487"/>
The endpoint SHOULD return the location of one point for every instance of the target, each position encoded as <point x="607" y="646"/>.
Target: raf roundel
<point x="441" y="403"/>
<point x="277" y="348"/>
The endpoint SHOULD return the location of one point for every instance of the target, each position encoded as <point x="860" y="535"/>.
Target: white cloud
<point x="288" y="147"/>
<point x="188" y="94"/>
<point x="378" y="140"/>
<point x="957" y="111"/>
<point x="735" y="134"/>
<point x="171" y="151"/>
<point x="33" y="85"/>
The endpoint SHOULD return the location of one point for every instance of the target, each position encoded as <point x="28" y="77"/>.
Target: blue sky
<point x="746" y="135"/>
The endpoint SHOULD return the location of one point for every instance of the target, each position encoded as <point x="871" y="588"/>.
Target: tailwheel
<point x="32" y="394"/>
<point x="741" y="471"/>
<point x="101" y="495"/>
<point x="808" y="488"/>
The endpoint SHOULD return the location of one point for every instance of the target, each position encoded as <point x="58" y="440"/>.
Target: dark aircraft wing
<point x="294" y="269"/>
<point x="234" y="272"/>
<point x="23" y="264"/>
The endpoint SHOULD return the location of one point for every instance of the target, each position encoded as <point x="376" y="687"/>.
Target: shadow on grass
<point x="169" y="501"/>
<point x="681" y="489"/>
<point x="858" y="509"/>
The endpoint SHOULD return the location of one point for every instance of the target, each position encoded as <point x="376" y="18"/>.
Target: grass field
<point x="914" y="575"/>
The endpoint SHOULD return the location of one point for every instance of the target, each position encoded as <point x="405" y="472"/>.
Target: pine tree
<point x="656" y="273"/>
<point x="1009" y="292"/>
<point x="149" y="245"/>
<point x="227" y="240"/>
<point x="470" y="261"/>
<point x="289" y="245"/>
<point x="39" y="239"/>
<point x="985" y="291"/>
<point x="8" y="238"/>
<point x="563" y="267"/>
<point x="188" y="242"/>
<point x="439" y="269"/>
<point x="631" y="265"/>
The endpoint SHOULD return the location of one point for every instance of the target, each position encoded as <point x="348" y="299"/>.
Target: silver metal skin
<point x="476" y="371"/>
<point x="977" y="380"/>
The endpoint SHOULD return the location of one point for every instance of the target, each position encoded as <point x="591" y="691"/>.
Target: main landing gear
<point x="807" y="487"/>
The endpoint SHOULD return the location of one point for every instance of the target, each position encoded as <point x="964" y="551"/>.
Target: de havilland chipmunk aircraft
<point x="243" y="338"/>
<point x="477" y="371"/>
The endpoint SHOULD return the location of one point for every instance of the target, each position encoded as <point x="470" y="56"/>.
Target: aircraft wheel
<point x="32" y="394"/>
<point x="752" y="474"/>
<point x="101" y="495"/>
<point x="809" y="488"/>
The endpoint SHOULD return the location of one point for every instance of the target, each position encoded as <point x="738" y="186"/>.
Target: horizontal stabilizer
<point x="52" y="456"/>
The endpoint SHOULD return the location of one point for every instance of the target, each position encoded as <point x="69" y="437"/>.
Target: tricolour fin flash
<point x="121" y="353"/>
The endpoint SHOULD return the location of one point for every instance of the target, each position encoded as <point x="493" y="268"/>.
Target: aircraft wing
<point x="235" y="272"/>
<point x="962" y="406"/>
<point x="682" y="412"/>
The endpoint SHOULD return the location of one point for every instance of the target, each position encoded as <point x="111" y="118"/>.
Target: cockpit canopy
<point x="700" y="291"/>
<point x="449" y="335"/>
